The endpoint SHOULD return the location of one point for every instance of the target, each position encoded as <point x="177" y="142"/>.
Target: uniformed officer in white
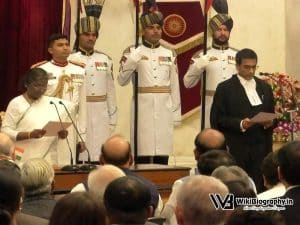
<point x="219" y="62"/>
<point x="100" y="89"/>
<point x="158" y="92"/>
<point x="66" y="81"/>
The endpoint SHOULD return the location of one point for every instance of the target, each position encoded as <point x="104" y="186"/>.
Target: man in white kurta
<point x="158" y="90"/>
<point x="66" y="81"/>
<point x="219" y="62"/>
<point x="100" y="88"/>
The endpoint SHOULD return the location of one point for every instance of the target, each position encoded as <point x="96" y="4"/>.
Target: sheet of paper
<point x="263" y="117"/>
<point x="52" y="127"/>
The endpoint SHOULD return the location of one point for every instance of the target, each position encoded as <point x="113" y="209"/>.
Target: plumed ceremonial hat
<point x="90" y="23"/>
<point x="151" y="15"/>
<point x="218" y="20"/>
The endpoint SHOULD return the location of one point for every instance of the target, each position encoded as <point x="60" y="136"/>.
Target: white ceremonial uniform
<point x="159" y="106"/>
<point x="219" y="65"/>
<point x="101" y="100"/>
<point x="67" y="82"/>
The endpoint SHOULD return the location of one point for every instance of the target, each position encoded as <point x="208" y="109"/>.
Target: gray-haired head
<point x="194" y="205"/>
<point x="101" y="177"/>
<point x="37" y="176"/>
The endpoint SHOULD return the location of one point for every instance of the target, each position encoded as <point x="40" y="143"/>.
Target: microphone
<point x="83" y="167"/>
<point x="67" y="167"/>
<point x="265" y="74"/>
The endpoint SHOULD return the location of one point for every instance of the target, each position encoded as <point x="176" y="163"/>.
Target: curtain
<point x="24" y="29"/>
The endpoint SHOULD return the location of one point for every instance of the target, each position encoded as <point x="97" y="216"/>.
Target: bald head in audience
<point x="6" y="147"/>
<point x="116" y="151"/>
<point x="99" y="179"/>
<point x="194" y="207"/>
<point x="208" y="139"/>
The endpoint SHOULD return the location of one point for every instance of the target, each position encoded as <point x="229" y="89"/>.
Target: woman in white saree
<point x="28" y="113"/>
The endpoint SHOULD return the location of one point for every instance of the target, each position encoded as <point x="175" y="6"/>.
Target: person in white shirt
<point x="66" y="80"/>
<point x="159" y="108"/>
<point x="28" y="113"/>
<point x="219" y="62"/>
<point x="100" y="89"/>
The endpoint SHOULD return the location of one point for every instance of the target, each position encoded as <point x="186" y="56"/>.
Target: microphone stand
<point x="85" y="167"/>
<point x="70" y="167"/>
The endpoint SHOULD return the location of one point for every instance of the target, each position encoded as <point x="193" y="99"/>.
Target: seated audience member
<point x="37" y="176"/>
<point x="240" y="189"/>
<point x="208" y="139"/>
<point x="194" y="206"/>
<point x="289" y="175"/>
<point x="253" y="217"/>
<point x="117" y="151"/>
<point x="99" y="179"/>
<point x="208" y="161"/>
<point x="213" y="159"/>
<point x="7" y="147"/>
<point x="80" y="208"/>
<point x="270" y="177"/>
<point x="8" y="165"/>
<point x="127" y="201"/>
<point x="233" y="173"/>
<point x="10" y="197"/>
<point x="9" y="168"/>
<point x="103" y="174"/>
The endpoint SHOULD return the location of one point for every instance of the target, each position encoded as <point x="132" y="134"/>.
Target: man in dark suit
<point x="236" y="101"/>
<point x="117" y="151"/>
<point x="289" y="175"/>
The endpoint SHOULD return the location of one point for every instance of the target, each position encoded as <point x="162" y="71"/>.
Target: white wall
<point x="258" y="24"/>
<point x="292" y="37"/>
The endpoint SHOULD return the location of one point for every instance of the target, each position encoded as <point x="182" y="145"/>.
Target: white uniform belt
<point x="155" y="89"/>
<point x="210" y="93"/>
<point x="100" y="98"/>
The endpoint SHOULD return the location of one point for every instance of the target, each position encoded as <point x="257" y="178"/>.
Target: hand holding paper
<point x="62" y="134"/>
<point x="37" y="133"/>
<point x="54" y="128"/>
<point x="263" y="118"/>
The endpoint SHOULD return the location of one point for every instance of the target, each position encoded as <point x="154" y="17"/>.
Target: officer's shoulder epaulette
<point x="100" y="52"/>
<point x="128" y="49"/>
<point x="38" y="64"/>
<point x="77" y="63"/>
